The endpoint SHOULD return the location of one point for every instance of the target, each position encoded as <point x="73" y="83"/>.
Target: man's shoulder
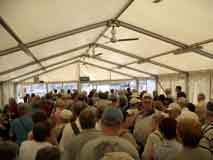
<point x="104" y="144"/>
<point x="27" y="143"/>
<point x="110" y="140"/>
<point x="87" y="134"/>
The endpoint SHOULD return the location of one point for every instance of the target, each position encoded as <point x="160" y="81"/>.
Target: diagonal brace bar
<point x="55" y="37"/>
<point x="21" y="44"/>
<point x="127" y="67"/>
<point x="162" y="38"/>
<point x="45" y="59"/>
<point x="107" y="69"/>
<point x="139" y="58"/>
<point x="47" y="67"/>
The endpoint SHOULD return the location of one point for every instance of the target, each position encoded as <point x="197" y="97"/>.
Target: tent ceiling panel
<point x="67" y="43"/>
<point x="50" y="70"/>
<point x="151" y="68"/>
<point x="29" y="80"/>
<point x="115" y="76"/>
<point x="145" y="47"/>
<point x="114" y="57"/>
<point x="188" y="61"/>
<point x="100" y="63"/>
<point x="63" y="57"/>
<point x="6" y="40"/>
<point x="186" y="21"/>
<point x="29" y="75"/>
<point x="68" y="73"/>
<point x="19" y="72"/>
<point x="94" y="73"/>
<point x="131" y="72"/>
<point x="208" y="47"/>
<point x="14" y="60"/>
<point x="55" y="16"/>
<point x="36" y="71"/>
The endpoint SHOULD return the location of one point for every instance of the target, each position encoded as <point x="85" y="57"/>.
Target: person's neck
<point x="110" y="132"/>
<point x="88" y="129"/>
<point x="147" y="112"/>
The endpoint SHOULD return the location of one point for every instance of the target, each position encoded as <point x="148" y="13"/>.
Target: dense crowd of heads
<point x="126" y="114"/>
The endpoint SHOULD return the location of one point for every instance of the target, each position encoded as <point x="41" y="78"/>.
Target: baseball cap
<point x="112" y="116"/>
<point x="147" y="95"/>
<point x="209" y="107"/>
<point x="134" y="101"/>
<point x="135" y="94"/>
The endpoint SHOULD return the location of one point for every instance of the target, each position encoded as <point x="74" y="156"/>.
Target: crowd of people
<point x="113" y="125"/>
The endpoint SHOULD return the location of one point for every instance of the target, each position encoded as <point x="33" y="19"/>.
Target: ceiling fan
<point x="114" y="39"/>
<point x="87" y="53"/>
<point x="157" y="1"/>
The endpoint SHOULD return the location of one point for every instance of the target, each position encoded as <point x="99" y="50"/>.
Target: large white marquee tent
<point x="61" y="40"/>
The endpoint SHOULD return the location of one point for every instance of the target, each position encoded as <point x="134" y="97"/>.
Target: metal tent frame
<point x="25" y="47"/>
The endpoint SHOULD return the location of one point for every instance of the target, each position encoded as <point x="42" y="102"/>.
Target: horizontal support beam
<point x="45" y="72"/>
<point x="127" y="67"/>
<point x="55" y="37"/>
<point x="45" y="59"/>
<point x="162" y="38"/>
<point x="107" y="69"/>
<point x="19" y="41"/>
<point x="139" y="58"/>
<point x="48" y="82"/>
<point x="47" y="67"/>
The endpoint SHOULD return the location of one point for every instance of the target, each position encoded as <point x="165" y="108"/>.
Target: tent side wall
<point x="7" y="90"/>
<point x="198" y="82"/>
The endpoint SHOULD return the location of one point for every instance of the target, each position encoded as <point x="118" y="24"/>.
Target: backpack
<point x="207" y="132"/>
<point x="75" y="128"/>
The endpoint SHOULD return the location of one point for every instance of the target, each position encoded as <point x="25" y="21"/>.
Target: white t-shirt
<point x="68" y="134"/>
<point x="185" y="113"/>
<point x="29" y="149"/>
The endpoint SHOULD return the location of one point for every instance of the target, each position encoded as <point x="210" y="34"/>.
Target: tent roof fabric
<point x="68" y="38"/>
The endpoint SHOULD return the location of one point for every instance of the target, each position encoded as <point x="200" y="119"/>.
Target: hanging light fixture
<point x="157" y="1"/>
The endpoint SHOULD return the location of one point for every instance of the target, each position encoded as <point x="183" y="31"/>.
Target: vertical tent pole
<point x="3" y="93"/>
<point x="210" y="86"/>
<point x="187" y="85"/>
<point x="15" y="90"/>
<point x="2" y="96"/>
<point x="137" y="84"/>
<point x="161" y="86"/>
<point x="156" y="83"/>
<point x="79" y="74"/>
<point x="46" y="86"/>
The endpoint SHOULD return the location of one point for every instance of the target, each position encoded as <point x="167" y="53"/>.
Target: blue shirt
<point x="20" y="127"/>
